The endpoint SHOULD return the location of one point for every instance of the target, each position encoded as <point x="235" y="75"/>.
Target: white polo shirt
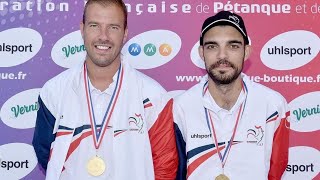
<point x="260" y="129"/>
<point x="75" y="165"/>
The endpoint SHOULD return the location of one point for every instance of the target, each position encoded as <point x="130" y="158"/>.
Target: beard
<point x="221" y="77"/>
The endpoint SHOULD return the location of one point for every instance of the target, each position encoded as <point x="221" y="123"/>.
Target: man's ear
<point x="125" y="35"/>
<point x="81" y="28"/>
<point x="200" y="51"/>
<point x="247" y="52"/>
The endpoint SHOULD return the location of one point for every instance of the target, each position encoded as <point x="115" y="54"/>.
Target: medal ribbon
<point x="97" y="133"/>
<point x="224" y="158"/>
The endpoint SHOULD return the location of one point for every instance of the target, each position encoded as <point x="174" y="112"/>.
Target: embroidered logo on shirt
<point x="147" y="103"/>
<point x="235" y="19"/>
<point x="255" y="135"/>
<point x="136" y="123"/>
<point x="201" y="136"/>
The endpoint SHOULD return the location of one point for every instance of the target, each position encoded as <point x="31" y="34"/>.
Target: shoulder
<point x="263" y="92"/>
<point x="143" y="81"/>
<point x="193" y="95"/>
<point x="58" y="84"/>
<point x="150" y="83"/>
<point x="61" y="79"/>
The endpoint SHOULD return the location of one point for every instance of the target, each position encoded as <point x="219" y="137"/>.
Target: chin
<point x="223" y="78"/>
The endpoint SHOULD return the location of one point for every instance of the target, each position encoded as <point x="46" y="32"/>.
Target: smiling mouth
<point x="101" y="47"/>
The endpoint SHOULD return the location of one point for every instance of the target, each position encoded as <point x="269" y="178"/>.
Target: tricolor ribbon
<point x="98" y="133"/>
<point x="224" y="158"/>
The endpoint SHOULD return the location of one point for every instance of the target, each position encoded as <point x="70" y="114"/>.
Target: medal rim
<point x="96" y="171"/>
<point x="222" y="177"/>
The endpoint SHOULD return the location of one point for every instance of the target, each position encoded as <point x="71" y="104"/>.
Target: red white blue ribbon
<point x="210" y="124"/>
<point x="98" y="133"/>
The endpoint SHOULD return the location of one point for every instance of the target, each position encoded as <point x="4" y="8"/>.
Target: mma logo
<point x="150" y="49"/>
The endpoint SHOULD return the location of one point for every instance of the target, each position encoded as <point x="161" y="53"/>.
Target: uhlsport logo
<point x="255" y="135"/>
<point x="69" y="50"/>
<point x="20" y="111"/>
<point x="18" y="45"/>
<point x="305" y="112"/>
<point x="151" y="49"/>
<point x="200" y="136"/>
<point x="304" y="163"/>
<point x="13" y="163"/>
<point x="290" y="50"/>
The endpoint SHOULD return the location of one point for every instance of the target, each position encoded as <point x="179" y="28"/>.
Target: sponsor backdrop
<point x="41" y="38"/>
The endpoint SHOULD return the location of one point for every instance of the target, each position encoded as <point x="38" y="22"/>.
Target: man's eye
<point x="234" y="46"/>
<point x="114" y="27"/>
<point x="211" y="46"/>
<point x="93" y="25"/>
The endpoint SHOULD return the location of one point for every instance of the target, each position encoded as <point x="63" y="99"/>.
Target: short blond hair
<point x="105" y="3"/>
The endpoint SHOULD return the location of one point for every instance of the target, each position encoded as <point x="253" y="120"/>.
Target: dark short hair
<point x="105" y="3"/>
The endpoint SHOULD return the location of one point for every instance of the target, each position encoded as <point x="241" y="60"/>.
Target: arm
<point x="43" y="134"/>
<point x="181" y="144"/>
<point x="181" y="147"/>
<point x="163" y="144"/>
<point x="279" y="156"/>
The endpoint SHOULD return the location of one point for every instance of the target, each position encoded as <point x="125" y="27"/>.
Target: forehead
<point x="223" y="32"/>
<point x="95" y="12"/>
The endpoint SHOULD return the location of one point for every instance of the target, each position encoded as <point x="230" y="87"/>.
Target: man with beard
<point x="227" y="126"/>
<point x="100" y="119"/>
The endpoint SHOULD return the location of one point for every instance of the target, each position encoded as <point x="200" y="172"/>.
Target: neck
<point x="225" y="95"/>
<point x="101" y="77"/>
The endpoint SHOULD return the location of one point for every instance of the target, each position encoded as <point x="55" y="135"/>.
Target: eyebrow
<point x="95" y="22"/>
<point x="229" y="42"/>
<point x="235" y="41"/>
<point x="118" y="25"/>
<point x="91" y="22"/>
<point x="209" y="42"/>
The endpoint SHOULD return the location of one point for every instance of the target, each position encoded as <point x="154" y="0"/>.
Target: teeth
<point x="103" y="47"/>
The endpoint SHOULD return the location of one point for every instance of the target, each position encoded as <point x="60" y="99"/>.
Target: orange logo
<point x="165" y="49"/>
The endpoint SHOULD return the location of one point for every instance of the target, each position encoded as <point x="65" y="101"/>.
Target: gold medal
<point x="222" y="177"/>
<point x="96" y="166"/>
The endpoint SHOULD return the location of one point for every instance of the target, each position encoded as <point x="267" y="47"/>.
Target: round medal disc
<point x="96" y="166"/>
<point x="222" y="177"/>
